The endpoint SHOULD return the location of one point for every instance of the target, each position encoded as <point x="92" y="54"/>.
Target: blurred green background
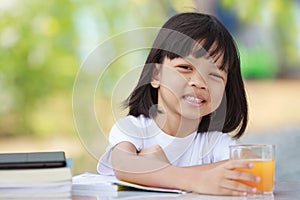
<point x="44" y="43"/>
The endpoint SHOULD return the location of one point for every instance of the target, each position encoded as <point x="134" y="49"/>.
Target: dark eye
<point x="216" y="75"/>
<point x="185" y="67"/>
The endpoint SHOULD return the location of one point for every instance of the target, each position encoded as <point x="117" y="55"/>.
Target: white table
<point x="285" y="190"/>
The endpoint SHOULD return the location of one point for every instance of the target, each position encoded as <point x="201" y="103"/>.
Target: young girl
<point x="190" y="95"/>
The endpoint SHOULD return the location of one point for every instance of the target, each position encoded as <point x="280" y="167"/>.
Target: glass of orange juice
<point x="263" y="158"/>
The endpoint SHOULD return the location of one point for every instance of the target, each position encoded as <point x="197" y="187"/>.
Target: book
<point x="97" y="183"/>
<point x="18" y="176"/>
<point x="36" y="196"/>
<point x="93" y="184"/>
<point x="51" y="190"/>
<point x="35" y="175"/>
<point x="32" y="160"/>
<point x="123" y="185"/>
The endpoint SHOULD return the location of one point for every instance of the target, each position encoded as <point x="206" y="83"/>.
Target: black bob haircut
<point x="178" y="38"/>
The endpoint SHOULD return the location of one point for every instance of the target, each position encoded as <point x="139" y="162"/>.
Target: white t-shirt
<point x="142" y="132"/>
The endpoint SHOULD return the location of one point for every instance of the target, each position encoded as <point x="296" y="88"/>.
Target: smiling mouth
<point x="193" y="100"/>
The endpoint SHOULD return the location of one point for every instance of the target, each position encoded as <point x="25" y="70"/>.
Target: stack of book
<point x="35" y="175"/>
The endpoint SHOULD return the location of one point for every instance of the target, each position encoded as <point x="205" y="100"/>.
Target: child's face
<point x="190" y="87"/>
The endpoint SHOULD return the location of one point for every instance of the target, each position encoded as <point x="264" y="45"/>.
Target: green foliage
<point x="37" y="58"/>
<point x="258" y="62"/>
<point x="279" y="19"/>
<point x="42" y="45"/>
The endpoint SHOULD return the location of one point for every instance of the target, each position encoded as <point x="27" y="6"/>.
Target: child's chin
<point x="191" y="116"/>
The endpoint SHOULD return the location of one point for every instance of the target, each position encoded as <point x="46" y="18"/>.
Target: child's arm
<point x="150" y="167"/>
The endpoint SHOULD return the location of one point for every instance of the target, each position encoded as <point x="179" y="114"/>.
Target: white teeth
<point x="193" y="99"/>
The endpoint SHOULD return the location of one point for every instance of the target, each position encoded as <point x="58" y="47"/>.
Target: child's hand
<point x="155" y="152"/>
<point x="221" y="179"/>
<point x="126" y="159"/>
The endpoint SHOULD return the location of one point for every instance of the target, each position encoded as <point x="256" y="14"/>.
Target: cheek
<point x="172" y="81"/>
<point x="171" y="88"/>
<point x="217" y="94"/>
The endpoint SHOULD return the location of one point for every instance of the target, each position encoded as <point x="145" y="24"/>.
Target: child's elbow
<point x="119" y="175"/>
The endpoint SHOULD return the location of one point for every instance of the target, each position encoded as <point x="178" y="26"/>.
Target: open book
<point x="100" y="183"/>
<point x="131" y="186"/>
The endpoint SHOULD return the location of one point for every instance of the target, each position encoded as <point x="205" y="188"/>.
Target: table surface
<point x="285" y="190"/>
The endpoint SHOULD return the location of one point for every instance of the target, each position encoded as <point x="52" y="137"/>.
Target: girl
<point x="190" y="95"/>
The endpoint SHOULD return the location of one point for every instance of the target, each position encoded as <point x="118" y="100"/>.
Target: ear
<point x="155" y="80"/>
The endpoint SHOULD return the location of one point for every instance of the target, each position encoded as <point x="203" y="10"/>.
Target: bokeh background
<point x="44" y="43"/>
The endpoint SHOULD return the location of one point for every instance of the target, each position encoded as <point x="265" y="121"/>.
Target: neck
<point x="176" y="125"/>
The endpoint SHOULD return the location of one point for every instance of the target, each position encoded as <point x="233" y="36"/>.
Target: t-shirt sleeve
<point x="124" y="130"/>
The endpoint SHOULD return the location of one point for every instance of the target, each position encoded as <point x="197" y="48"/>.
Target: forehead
<point x="214" y="54"/>
<point x="203" y="47"/>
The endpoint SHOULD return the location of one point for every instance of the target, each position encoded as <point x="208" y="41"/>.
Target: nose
<point x="197" y="80"/>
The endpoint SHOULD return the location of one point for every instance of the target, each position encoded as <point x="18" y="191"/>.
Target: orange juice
<point x="265" y="170"/>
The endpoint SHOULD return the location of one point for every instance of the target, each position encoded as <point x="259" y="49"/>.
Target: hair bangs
<point x="177" y="45"/>
<point x="213" y="46"/>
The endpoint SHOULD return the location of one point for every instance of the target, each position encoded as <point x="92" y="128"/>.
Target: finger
<point x="150" y="150"/>
<point x="240" y="175"/>
<point x="231" y="192"/>
<point x="232" y="164"/>
<point x="155" y="152"/>
<point x="238" y="187"/>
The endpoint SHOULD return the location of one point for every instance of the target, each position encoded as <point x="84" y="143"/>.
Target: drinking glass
<point x="263" y="158"/>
